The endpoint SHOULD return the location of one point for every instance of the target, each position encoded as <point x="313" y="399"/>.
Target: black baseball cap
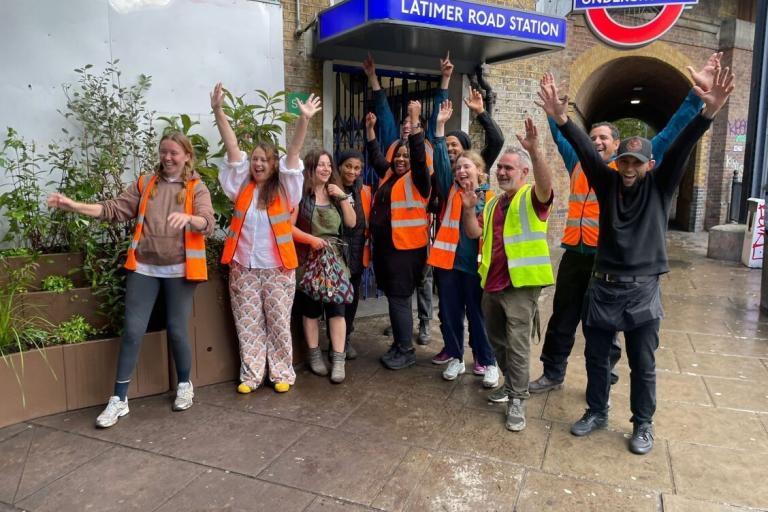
<point x="637" y="147"/>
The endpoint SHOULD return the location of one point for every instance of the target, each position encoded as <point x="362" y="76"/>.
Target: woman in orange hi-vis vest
<point x="259" y="247"/>
<point x="399" y="227"/>
<point x="173" y="213"/>
<point x="356" y="238"/>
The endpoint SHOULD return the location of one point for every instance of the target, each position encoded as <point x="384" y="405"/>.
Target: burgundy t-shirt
<point x="498" y="273"/>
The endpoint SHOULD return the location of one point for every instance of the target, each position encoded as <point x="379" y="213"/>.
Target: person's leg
<point x="350" y="311"/>
<point x="401" y="354"/>
<point x="140" y="295"/>
<point x="573" y="276"/>
<point x="246" y="295"/>
<point x="520" y="307"/>
<point x="334" y="313"/>
<point x="451" y="296"/>
<point x="311" y="310"/>
<point x="279" y="291"/>
<point x="481" y="345"/>
<point x="641" y="344"/>
<point x="615" y="356"/>
<point x="179" y="293"/>
<point x="496" y="328"/>
<point x="424" y="305"/>
<point x="597" y="353"/>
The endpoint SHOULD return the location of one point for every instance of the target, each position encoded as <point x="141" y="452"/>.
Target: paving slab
<point x="674" y="340"/>
<point x="730" y="345"/>
<point x="558" y="493"/>
<point x="136" y="480"/>
<point x="395" y="493"/>
<point x="323" y="504"/>
<point x="733" y="394"/>
<point x="12" y="430"/>
<point x="426" y="381"/>
<point x="471" y="393"/>
<point x="12" y="462"/>
<point x="674" y="503"/>
<point x="716" y="474"/>
<point x="719" y="365"/>
<point x="217" y="490"/>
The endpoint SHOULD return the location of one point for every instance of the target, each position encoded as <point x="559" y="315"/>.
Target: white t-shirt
<point x="256" y="246"/>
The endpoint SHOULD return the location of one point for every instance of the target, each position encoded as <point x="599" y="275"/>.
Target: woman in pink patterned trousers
<point x="259" y="247"/>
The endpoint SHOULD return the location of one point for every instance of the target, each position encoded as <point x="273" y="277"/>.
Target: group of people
<point x="489" y="255"/>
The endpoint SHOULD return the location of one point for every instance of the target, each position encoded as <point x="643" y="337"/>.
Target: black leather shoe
<point x="399" y="359"/>
<point x="589" y="422"/>
<point x="387" y="331"/>
<point x="424" y="334"/>
<point x="642" y="438"/>
<point x="614" y="377"/>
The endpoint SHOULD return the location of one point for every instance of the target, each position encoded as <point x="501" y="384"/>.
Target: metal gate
<point x="354" y="99"/>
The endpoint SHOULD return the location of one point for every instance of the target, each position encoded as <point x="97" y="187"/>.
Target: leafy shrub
<point x="74" y="330"/>
<point x="58" y="284"/>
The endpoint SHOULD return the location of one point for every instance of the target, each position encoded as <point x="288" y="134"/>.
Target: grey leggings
<point x="140" y="295"/>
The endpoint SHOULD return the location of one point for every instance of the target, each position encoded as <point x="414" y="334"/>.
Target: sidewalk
<point x="408" y="440"/>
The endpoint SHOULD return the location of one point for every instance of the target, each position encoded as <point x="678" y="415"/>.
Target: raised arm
<point x="388" y="129"/>
<point x="375" y="158"/>
<point x="446" y="70"/>
<point x="442" y="163"/>
<point x="349" y="217"/>
<point x="417" y="151"/>
<point x="62" y="202"/>
<point x="494" y="139"/>
<point x="468" y="216"/>
<point x="308" y="110"/>
<point x="542" y="173"/>
<point x="222" y="123"/>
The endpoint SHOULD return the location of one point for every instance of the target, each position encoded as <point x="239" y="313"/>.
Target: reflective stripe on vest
<point x="279" y="219"/>
<point x="583" y="222"/>
<point x="443" y="251"/>
<point x="410" y="224"/>
<point x="525" y="242"/>
<point x="194" y="241"/>
<point x="366" y="198"/>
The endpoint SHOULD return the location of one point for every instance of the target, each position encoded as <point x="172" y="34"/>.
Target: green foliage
<point x="74" y="330"/>
<point x="15" y="251"/>
<point x="104" y="267"/>
<point x="58" y="284"/>
<point x="35" y="337"/>
<point x="631" y="127"/>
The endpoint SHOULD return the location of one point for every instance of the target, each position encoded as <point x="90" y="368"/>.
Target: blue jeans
<point x="460" y="294"/>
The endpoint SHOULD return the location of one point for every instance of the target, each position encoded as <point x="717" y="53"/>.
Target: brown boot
<point x="337" y="370"/>
<point x="316" y="363"/>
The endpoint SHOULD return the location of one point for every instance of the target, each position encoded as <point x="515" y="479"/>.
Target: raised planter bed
<point x="69" y="264"/>
<point x="57" y="307"/>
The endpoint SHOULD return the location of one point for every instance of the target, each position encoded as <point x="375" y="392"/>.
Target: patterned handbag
<point x="325" y="278"/>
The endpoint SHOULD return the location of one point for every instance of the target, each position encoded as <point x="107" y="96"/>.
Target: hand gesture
<point x="414" y="111"/>
<point x="446" y="66"/>
<point x="531" y="141"/>
<point x="550" y="102"/>
<point x="705" y="77"/>
<point x="370" y="121"/>
<point x="445" y="113"/>
<point x="178" y="220"/>
<point x="334" y="191"/>
<point x="468" y="196"/>
<point x="217" y="97"/>
<point x="310" y="107"/>
<point x="715" y="98"/>
<point x="369" y="67"/>
<point x="60" y="201"/>
<point x="475" y="101"/>
<point x="317" y="243"/>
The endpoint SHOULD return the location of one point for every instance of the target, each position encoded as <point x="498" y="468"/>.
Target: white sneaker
<point x="184" y="394"/>
<point x="491" y="377"/>
<point x="115" y="410"/>
<point x="455" y="368"/>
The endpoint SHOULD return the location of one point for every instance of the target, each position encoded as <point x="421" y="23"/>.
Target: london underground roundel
<point x="614" y="33"/>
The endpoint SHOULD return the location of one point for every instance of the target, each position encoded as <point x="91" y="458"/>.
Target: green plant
<point x="75" y="330"/>
<point x="58" y="284"/>
<point x="104" y="266"/>
<point x="35" y="337"/>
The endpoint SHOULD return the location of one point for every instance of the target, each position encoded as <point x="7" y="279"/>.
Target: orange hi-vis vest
<point x="428" y="151"/>
<point x="279" y="218"/>
<point x="583" y="223"/>
<point x="367" y="199"/>
<point x="194" y="242"/>
<point x="443" y="251"/>
<point x="410" y="222"/>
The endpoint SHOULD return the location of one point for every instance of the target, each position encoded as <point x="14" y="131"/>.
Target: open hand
<point x="474" y="101"/>
<point x="310" y="107"/>
<point x="217" y="97"/>
<point x="554" y="106"/>
<point x="531" y="141"/>
<point x="60" y="201"/>
<point x="705" y="77"/>
<point x="445" y="113"/>
<point x="468" y="195"/>
<point x="369" y="67"/>
<point x="446" y="66"/>
<point x="715" y="98"/>
<point x="178" y="220"/>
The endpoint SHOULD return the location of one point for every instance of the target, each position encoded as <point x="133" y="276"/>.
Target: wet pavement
<point x="409" y="440"/>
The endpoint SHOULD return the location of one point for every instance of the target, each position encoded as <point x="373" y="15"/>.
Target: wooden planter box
<point x="43" y="381"/>
<point x="69" y="264"/>
<point x="89" y="370"/>
<point x="58" y="307"/>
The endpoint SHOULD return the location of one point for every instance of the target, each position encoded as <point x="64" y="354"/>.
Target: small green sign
<point x="741" y="138"/>
<point x="290" y="101"/>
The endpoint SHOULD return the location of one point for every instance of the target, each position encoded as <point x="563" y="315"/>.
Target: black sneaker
<point x="642" y="438"/>
<point x="424" y="334"/>
<point x="543" y="384"/>
<point x="399" y="359"/>
<point x="589" y="422"/>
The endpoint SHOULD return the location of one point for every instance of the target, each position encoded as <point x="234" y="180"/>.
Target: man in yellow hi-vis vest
<point x="514" y="263"/>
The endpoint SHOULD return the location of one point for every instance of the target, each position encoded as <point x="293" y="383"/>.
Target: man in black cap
<point x="624" y="292"/>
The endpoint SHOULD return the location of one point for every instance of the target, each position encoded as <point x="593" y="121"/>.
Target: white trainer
<point x="455" y="368"/>
<point x="115" y="410"/>
<point x="184" y="395"/>
<point x="491" y="377"/>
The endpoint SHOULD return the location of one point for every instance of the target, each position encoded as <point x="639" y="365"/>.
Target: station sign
<point x="617" y="34"/>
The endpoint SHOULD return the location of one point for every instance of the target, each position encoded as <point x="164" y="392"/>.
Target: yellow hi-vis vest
<point x="525" y="242"/>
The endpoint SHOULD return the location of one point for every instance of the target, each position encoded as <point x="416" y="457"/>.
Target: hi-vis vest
<point x="583" y="223"/>
<point x="410" y="224"/>
<point x="279" y="218"/>
<point x="443" y="251"/>
<point x="366" y="198"/>
<point x="194" y="242"/>
<point x="525" y="242"/>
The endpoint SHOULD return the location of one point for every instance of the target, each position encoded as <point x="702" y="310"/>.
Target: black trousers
<point x="635" y="309"/>
<point x="573" y="277"/>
